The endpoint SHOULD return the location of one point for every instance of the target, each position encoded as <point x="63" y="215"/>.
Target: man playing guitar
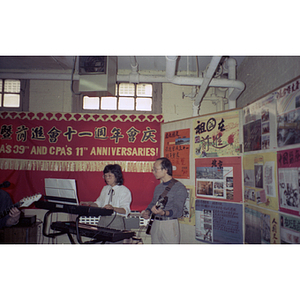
<point x="165" y="228"/>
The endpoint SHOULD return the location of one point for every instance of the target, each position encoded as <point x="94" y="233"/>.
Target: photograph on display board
<point x="219" y="179"/>
<point x="260" y="180"/>
<point x="217" y="135"/>
<point x="177" y="150"/>
<point x="288" y="114"/>
<point x="289" y="230"/>
<point x="259" y="124"/>
<point x="219" y="222"/>
<point x="289" y="180"/>
<point x="261" y="226"/>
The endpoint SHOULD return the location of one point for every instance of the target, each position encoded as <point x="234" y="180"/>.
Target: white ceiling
<point x="65" y="63"/>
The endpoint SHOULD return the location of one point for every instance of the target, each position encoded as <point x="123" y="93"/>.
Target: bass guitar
<point x="161" y="203"/>
<point x="25" y="202"/>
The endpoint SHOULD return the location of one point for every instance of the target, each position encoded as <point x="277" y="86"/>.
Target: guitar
<point x="25" y="202"/>
<point x="161" y="203"/>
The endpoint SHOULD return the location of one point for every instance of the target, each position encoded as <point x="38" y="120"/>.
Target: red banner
<point x="34" y="146"/>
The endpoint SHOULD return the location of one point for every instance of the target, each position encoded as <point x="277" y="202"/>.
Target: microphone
<point x="5" y="184"/>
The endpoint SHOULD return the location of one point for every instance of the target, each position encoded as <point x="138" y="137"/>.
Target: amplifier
<point x="26" y="220"/>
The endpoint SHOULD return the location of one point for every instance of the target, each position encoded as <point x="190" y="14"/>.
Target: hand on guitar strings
<point x="157" y="211"/>
<point x="145" y="214"/>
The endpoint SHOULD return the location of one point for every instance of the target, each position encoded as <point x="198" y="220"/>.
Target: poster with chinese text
<point x="288" y="114"/>
<point x="217" y="135"/>
<point x="219" y="178"/>
<point x="260" y="180"/>
<point x="289" y="229"/>
<point x="289" y="180"/>
<point x="261" y="226"/>
<point x="177" y="149"/>
<point x="219" y="222"/>
<point x="259" y="124"/>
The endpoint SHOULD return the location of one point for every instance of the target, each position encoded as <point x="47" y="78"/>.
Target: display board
<point x="271" y="164"/>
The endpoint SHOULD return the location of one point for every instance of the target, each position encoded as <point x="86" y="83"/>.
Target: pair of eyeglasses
<point x="108" y="175"/>
<point x="155" y="170"/>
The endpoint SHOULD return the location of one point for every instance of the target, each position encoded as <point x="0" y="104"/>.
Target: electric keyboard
<point x="80" y="210"/>
<point x="97" y="233"/>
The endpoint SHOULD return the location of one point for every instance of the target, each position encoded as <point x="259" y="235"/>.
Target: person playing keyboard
<point x="113" y="196"/>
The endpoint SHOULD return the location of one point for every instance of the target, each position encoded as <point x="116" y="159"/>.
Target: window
<point x="130" y="97"/>
<point x="14" y="94"/>
<point x="10" y="93"/>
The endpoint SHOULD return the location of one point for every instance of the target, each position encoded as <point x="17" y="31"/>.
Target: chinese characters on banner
<point x="288" y="180"/>
<point x="219" y="179"/>
<point x="65" y="145"/>
<point x="219" y="222"/>
<point x="217" y="135"/>
<point x="177" y="149"/>
<point x="260" y="180"/>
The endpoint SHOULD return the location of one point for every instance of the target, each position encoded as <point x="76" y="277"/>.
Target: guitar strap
<point x="163" y="195"/>
<point x="167" y="189"/>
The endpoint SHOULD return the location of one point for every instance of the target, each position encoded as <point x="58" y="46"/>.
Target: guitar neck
<point x="25" y="202"/>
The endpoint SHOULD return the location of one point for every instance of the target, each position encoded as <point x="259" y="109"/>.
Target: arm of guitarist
<point x="159" y="211"/>
<point x="146" y="213"/>
<point x="14" y="216"/>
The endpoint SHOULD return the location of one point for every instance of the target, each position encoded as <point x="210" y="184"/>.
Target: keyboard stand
<point x="78" y="229"/>
<point x="67" y="232"/>
<point x="54" y="235"/>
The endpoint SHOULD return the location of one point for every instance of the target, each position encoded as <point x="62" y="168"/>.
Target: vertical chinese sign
<point x="261" y="226"/>
<point x="34" y="146"/>
<point x="177" y="149"/>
